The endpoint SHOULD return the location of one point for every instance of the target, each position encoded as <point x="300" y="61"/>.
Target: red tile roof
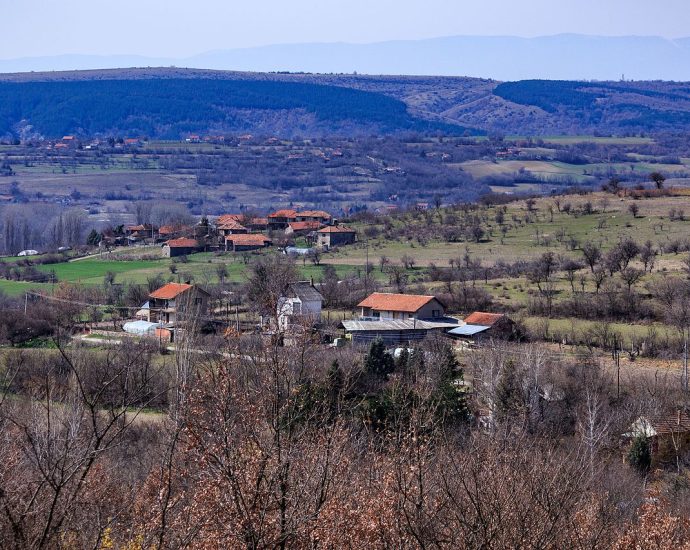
<point x="141" y="227"/>
<point x="182" y="243"/>
<point x="170" y="291"/>
<point x="485" y="319"/>
<point x="232" y="225"/>
<point x="313" y="214"/>
<point x="229" y="217"/>
<point x="676" y="422"/>
<point x="283" y="214"/>
<point x="337" y="229"/>
<point x="382" y="301"/>
<point x="304" y="226"/>
<point x="248" y="239"/>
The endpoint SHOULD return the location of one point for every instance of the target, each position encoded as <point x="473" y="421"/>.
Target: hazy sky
<point x="178" y="28"/>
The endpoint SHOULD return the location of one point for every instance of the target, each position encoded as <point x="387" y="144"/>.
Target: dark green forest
<point x="170" y="108"/>
<point x="645" y="105"/>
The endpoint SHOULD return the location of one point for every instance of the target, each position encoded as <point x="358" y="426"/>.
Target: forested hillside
<point x="170" y="102"/>
<point x="172" y="107"/>
<point x="627" y="106"/>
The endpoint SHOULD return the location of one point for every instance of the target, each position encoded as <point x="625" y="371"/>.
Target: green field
<point x="201" y="268"/>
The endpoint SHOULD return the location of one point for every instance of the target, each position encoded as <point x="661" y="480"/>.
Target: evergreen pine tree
<point x="508" y="391"/>
<point x="377" y="361"/>
<point x="94" y="238"/>
<point x="640" y="455"/>
<point x="335" y="381"/>
<point x="452" y="401"/>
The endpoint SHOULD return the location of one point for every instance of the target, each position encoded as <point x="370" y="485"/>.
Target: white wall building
<point x="301" y="304"/>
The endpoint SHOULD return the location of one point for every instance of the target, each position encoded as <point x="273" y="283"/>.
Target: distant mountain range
<point x="559" y="57"/>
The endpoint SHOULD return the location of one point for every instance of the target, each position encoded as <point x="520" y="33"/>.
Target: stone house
<point x="335" y="235"/>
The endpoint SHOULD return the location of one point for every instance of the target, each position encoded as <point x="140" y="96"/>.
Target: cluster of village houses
<point x="393" y="318"/>
<point x="238" y="233"/>
<point x="397" y="319"/>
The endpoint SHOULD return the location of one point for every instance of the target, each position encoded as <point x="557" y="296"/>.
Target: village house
<point x="302" y="228"/>
<point x="167" y="232"/>
<point x="257" y="224"/>
<point x="480" y="325"/>
<point x="69" y="141"/>
<point x="231" y="227"/>
<point x="132" y="142"/>
<point x="141" y="232"/>
<point x="180" y="247"/>
<point x="299" y="305"/>
<point x="385" y="306"/>
<point x="335" y="235"/>
<point x="279" y="220"/>
<point x="668" y="434"/>
<point x="225" y="218"/>
<point x="245" y="242"/>
<point x="176" y="302"/>
<point x="314" y="216"/>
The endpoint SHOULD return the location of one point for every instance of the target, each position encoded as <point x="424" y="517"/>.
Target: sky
<point x="181" y="28"/>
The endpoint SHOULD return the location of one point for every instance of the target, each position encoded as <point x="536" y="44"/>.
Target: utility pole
<point x="685" y="364"/>
<point x="366" y="272"/>
<point x="617" y="355"/>
<point x="618" y="369"/>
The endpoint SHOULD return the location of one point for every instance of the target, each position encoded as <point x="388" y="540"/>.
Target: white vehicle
<point x="28" y="253"/>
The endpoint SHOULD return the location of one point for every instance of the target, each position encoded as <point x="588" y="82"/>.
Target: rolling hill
<point x="172" y="102"/>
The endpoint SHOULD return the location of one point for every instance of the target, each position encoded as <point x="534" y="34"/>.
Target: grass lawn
<point x="17" y="288"/>
<point x="92" y="271"/>
<point x="201" y="268"/>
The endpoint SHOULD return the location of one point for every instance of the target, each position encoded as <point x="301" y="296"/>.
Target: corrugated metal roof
<point x="395" y="324"/>
<point x="468" y="330"/>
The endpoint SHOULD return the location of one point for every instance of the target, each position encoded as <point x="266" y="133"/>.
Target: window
<point x="197" y="301"/>
<point x="435" y="312"/>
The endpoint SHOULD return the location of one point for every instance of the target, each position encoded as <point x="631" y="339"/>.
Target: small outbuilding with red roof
<point x="180" y="247"/>
<point x="481" y="324"/>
